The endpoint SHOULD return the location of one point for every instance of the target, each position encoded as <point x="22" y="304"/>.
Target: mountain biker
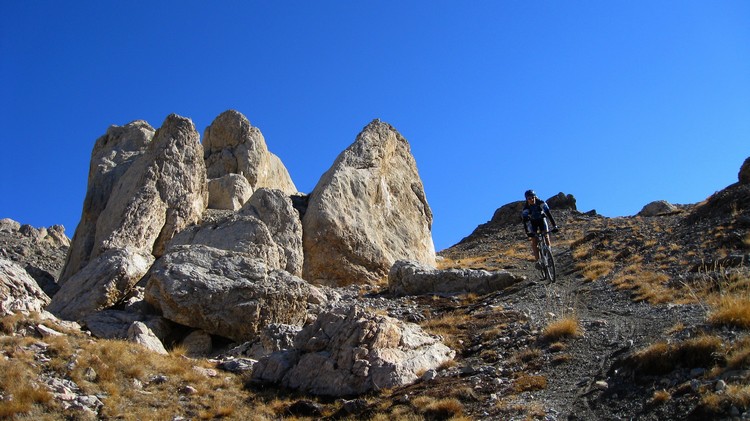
<point x="534" y="216"/>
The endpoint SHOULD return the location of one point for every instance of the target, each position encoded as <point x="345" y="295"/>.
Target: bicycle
<point x="546" y="263"/>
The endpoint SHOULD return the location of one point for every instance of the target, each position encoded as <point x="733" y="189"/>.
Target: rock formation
<point x="412" y="278"/>
<point x="228" y="192"/>
<point x="163" y="192"/>
<point x="267" y="227"/>
<point x="233" y="146"/>
<point x="40" y="251"/>
<point x="367" y="211"/>
<point x="225" y="293"/>
<point x="657" y="208"/>
<point x="111" y="157"/>
<point x="349" y="351"/>
<point x="101" y="283"/>
<point x="18" y="291"/>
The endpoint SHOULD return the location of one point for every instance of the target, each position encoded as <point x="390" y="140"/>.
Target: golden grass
<point x="526" y="382"/>
<point x="660" y="396"/>
<point x="566" y="327"/>
<point x="646" y="285"/>
<point x="730" y="310"/>
<point x="661" y="358"/>
<point x="448" y="326"/>
<point x="593" y="270"/>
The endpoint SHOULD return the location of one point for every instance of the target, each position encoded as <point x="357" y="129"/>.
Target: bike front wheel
<point x="548" y="264"/>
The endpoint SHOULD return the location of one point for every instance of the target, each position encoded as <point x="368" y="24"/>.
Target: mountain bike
<point x="546" y="263"/>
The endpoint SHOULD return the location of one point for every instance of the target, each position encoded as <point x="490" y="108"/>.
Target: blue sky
<point x="619" y="103"/>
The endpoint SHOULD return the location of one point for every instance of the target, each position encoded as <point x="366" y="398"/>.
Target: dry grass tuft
<point x="567" y="327"/>
<point x="730" y="310"/>
<point x="593" y="270"/>
<point x="526" y="382"/>
<point x="662" y="358"/>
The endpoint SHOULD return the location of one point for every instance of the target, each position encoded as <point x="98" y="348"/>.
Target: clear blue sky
<point x="619" y="103"/>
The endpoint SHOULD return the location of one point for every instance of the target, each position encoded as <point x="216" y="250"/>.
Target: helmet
<point x="530" y="193"/>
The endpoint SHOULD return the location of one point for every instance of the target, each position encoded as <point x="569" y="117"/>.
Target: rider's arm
<point x="547" y="212"/>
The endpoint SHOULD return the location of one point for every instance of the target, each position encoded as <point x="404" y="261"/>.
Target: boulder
<point x="272" y="338"/>
<point x="367" y="211"/>
<point x="267" y="227"/>
<point x="277" y="212"/>
<point x="18" y="290"/>
<point x="102" y="283"/>
<point x="351" y="351"/>
<point x="744" y="174"/>
<point x="657" y="208"/>
<point x="228" y="192"/>
<point x="114" y="324"/>
<point x="142" y="335"/>
<point x="111" y="157"/>
<point x="226" y="293"/>
<point x="413" y="278"/>
<point x="233" y="146"/>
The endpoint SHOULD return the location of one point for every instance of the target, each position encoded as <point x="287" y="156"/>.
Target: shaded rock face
<point x="41" y="251"/>
<point x="233" y="146"/>
<point x="562" y="201"/>
<point x="111" y="157"/>
<point x="18" y="290"/>
<point x="350" y="351"/>
<point x="100" y="284"/>
<point x="225" y="293"/>
<point x="368" y="210"/>
<point x="744" y="174"/>
<point x="412" y="278"/>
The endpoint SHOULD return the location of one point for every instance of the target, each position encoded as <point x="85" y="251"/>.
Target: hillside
<point x="648" y="319"/>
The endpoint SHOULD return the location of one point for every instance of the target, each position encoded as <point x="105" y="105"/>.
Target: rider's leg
<point x="534" y="244"/>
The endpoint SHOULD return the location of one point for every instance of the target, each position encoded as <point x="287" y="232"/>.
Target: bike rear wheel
<point x="548" y="264"/>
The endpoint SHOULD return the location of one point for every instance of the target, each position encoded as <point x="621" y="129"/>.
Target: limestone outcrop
<point x="18" y="291"/>
<point x="111" y="157"/>
<point x="226" y="293"/>
<point x="267" y="227"/>
<point x="367" y="211"/>
<point x="163" y="192"/>
<point x="350" y="351"/>
<point x="233" y="146"/>
<point x="413" y="278"/>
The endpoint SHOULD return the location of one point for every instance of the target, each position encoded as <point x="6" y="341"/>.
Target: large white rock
<point x="350" y="351"/>
<point x="106" y="280"/>
<point x="18" y="290"/>
<point x="225" y="293"/>
<point x="413" y="278"/>
<point x="233" y="146"/>
<point x="111" y="157"/>
<point x="367" y="211"/>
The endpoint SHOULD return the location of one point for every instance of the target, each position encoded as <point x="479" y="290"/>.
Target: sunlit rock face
<point x="367" y="211"/>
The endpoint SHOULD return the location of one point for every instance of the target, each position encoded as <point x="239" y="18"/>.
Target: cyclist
<point x="534" y="216"/>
